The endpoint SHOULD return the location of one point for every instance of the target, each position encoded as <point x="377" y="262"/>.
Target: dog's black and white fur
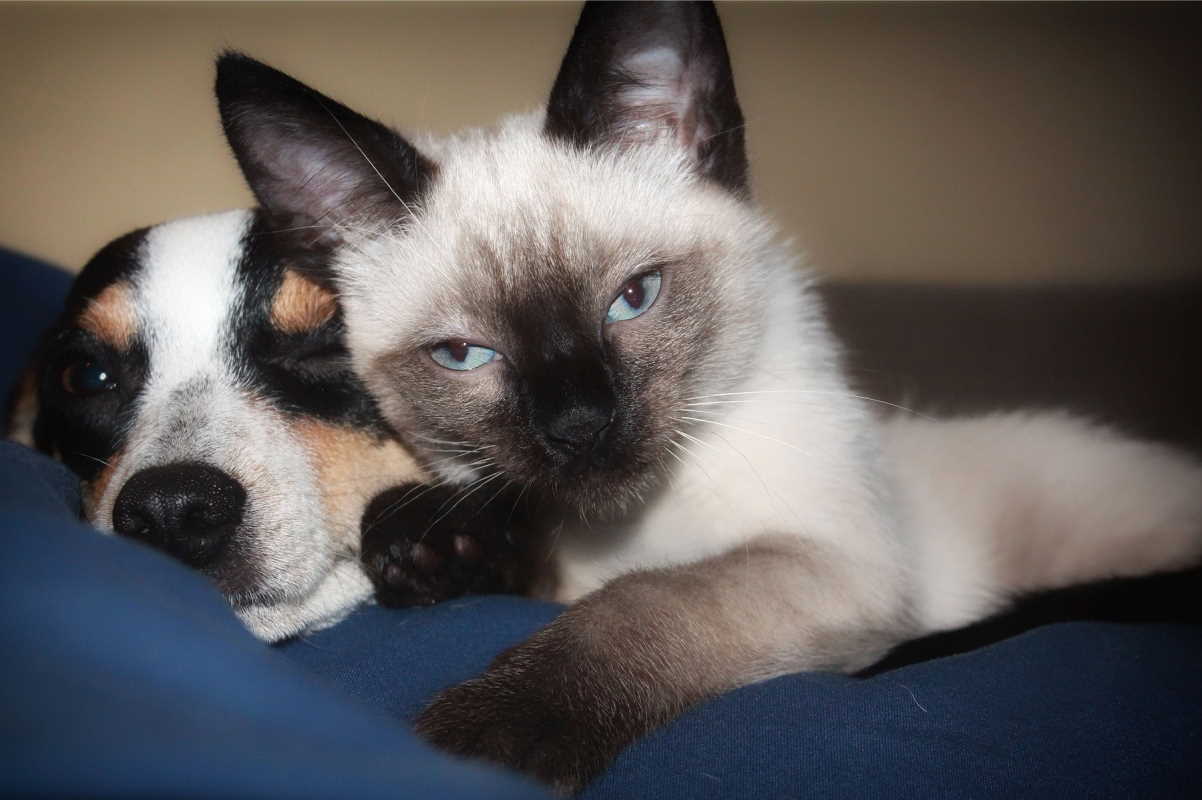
<point x="198" y="384"/>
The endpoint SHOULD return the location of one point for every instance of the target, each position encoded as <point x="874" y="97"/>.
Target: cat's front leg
<point x="424" y="544"/>
<point x="650" y="644"/>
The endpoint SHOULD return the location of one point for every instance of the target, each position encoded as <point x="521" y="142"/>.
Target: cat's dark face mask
<point x="574" y="389"/>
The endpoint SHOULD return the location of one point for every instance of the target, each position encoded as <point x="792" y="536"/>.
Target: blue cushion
<point x="125" y="673"/>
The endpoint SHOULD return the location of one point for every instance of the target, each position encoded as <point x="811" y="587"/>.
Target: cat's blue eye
<point x="88" y="378"/>
<point x="461" y="356"/>
<point x="636" y="297"/>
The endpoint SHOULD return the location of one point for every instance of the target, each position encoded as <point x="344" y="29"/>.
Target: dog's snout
<point x="189" y="510"/>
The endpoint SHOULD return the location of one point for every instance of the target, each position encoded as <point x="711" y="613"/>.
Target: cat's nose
<point x="578" y="429"/>
<point x="188" y="510"/>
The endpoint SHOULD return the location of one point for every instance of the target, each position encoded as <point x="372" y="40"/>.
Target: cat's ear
<point x="634" y="71"/>
<point x="312" y="162"/>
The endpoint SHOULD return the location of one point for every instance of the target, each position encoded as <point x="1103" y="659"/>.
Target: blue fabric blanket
<point x="126" y="674"/>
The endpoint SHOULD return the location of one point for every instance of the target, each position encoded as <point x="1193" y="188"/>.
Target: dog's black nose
<point x="188" y="510"/>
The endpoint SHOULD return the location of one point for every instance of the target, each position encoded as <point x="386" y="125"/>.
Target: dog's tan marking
<point x="301" y="305"/>
<point x="352" y="468"/>
<point x="111" y="316"/>
<point x="24" y="409"/>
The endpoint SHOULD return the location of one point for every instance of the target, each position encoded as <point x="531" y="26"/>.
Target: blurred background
<point x="965" y="143"/>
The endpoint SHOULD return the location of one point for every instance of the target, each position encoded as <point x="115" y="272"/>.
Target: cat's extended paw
<point x="544" y="708"/>
<point x="424" y="544"/>
<point x="522" y="722"/>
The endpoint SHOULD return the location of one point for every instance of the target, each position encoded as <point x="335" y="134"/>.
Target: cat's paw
<point x="544" y="708"/>
<point x="521" y="721"/>
<point x="424" y="544"/>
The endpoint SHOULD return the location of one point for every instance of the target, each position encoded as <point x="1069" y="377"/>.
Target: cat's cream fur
<point x="945" y="517"/>
<point x="782" y="522"/>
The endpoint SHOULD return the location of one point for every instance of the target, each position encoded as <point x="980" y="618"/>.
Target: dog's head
<point x="198" y="384"/>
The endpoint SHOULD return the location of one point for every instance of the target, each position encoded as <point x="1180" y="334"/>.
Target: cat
<point x="587" y="304"/>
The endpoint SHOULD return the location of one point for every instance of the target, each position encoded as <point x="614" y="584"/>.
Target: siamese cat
<point x="584" y="304"/>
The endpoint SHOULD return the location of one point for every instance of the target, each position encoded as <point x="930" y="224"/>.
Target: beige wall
<point x="974" y="143"/>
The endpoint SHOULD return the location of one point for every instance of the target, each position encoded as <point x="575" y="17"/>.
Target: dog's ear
<point x="636" y="71"/>
<point x="21" y="413"/>
<point x="313" y="163"/>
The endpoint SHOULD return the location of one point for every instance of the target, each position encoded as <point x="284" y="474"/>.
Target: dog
<point x="198" y="384"/>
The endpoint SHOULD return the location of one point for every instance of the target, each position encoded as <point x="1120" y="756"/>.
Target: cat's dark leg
<point x="650" y="644"/>
<point x="423" y="544"/>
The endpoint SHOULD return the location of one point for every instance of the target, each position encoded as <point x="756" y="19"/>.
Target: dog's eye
<point x="636" y="297"/>
<point x="88" y="378"/>
<point x="460" y="355"/>
<point x="325" y="356"/>
<point x="317" y="354"/>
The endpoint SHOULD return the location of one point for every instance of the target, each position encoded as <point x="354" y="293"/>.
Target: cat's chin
<point x="598" y="498"/>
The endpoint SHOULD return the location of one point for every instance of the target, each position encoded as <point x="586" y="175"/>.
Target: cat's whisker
<point x="516" y="501"/>
<point x="474" y="487"/>
<point x="723" y="132"/>
<point x="750" y="395"/>
<point x="400" y="503"/>
<point x="455" y="451"/>
<point x="694" y="457"/>
<point x="412" y="215"/>
<point x="553" y="544"/>
<point x="452" y="460"/>
<point x="318" y="224"/>
<point x="672" y="453"/>
<point x="99" y="461"/>
<point x="436" y="440"/>
<point x="460" y="459"/>
<point x="764" y="436"/>
<point x="469" y="486"/>
<point x="692" y="438"/>
<point x="692" y="410"/>
<point x="464" y="461"/>
<point x="662" y="465"/>
<point x="724" y="414"/>
<point x="738" y="452"/>
<point x="474" y="466"/>
<point x="495" y="495"/>
<point x="772" y="496"/>
<point x="292" y="229"/>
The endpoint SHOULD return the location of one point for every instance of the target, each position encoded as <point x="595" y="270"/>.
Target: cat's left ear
<point x="637" y="71"/>
<point x="312" y="162"/>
